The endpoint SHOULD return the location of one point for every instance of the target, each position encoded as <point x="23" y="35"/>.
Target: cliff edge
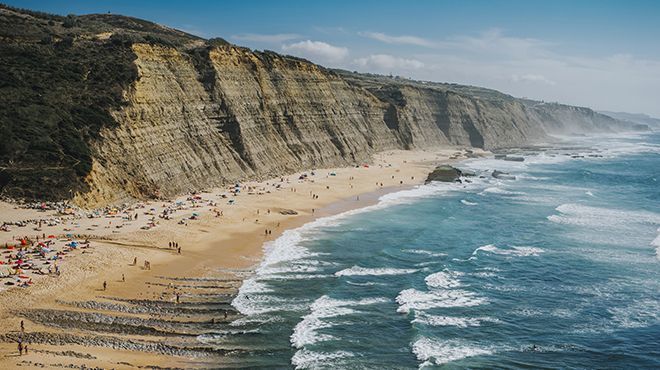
<point x="105" y="108"/>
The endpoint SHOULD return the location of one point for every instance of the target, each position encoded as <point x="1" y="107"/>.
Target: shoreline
<point x="71" y="312"/>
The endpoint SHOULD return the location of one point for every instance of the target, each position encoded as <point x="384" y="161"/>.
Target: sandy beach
<point x="139" y="318"/>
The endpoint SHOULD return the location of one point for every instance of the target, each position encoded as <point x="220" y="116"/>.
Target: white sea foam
<point x="433" y="320"/>
<point x="605" y="219"/>
<point x="256" y="319"/>
<point x="484" y="274"/>
<point x="514" y="251"/>
<point x="306" y="359"/>
<point x="468" y="203"/>
<point x="413" y="299"/>
<point x="368" y="283"/>
<point x="443" y="279"/>
<point x="500" y="191"/>
<point x="640" y="313"/>
<point x="425" y="252"/>
<point x="258" y="304"/>
<point x="438" y="352"/>
<point x="365" y="271"/>
<point x="306" y="331"/>
<point x="656" y="243"/>
<point x="218" y="335"/>
<point x="461" y="322"/>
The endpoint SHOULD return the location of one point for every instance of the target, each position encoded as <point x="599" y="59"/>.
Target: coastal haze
<point x="172" y="198"/>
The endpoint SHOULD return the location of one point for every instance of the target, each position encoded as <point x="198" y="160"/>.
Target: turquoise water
<point x="558" y="268"/>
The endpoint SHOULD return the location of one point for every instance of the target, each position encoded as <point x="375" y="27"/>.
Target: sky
<point x="601" y="54"/>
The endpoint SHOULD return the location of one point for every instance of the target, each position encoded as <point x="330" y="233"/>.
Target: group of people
<point x="175" y="245"/>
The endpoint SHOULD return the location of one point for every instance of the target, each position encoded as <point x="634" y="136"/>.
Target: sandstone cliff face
<point x="258" y="117"/>
<point x="431" y="117"/>
<point x="192" y="123"/>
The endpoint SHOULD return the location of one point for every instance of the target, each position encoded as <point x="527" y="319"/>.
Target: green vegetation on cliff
<point x="59" y="79"/>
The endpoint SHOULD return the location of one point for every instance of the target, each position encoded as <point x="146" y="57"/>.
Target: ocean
<point x="558" y="267"/>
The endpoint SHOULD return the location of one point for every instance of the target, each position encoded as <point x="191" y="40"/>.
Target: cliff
<point x="104" y="109"/>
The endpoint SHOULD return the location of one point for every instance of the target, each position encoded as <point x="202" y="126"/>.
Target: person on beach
<point x="105" y="285"/>
<point x="134" y="261"/>
<point x="20" y="348"/>
<point x="123" y="278"/>
<point x="22" y="327"/>
<point x="25" y="348"/>
<point x="178" y="250"/>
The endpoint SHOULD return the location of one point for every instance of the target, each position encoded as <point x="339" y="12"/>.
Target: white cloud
<point x="494" y="41"/>
<point x="387" y="63"/>
<point x="534" y="78"/>
<point x="317" y="51"/>
<point x="406" y="40"/>
<point x="267" y="38"/>
<point x="331" y="30"/>
<point x="524" y="67"/>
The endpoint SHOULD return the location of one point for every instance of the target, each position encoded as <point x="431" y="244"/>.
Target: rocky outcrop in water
<point x="444" y="173"/>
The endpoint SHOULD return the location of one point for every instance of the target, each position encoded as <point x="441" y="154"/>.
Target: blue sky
<point x="602" y="54"/>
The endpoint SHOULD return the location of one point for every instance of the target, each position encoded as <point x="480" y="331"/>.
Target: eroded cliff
<point x="172" y="112"/>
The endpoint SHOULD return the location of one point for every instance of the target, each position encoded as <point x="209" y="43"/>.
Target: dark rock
<point x="503" y="175"/>
<point x="444" y="173"/>
<point x="288" y="212"/>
